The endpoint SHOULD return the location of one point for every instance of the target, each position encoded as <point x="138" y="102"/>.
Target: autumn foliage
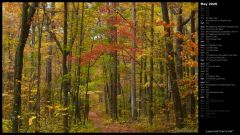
<point x="99" y="67"/>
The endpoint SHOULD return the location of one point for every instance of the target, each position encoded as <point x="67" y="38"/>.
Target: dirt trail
<point x="98" y="121"/>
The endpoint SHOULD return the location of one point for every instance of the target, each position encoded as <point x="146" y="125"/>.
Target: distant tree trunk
<point x="65" y="72"/>
<point x="133" y="69"/>
<point x="110" y="82"/>
<point x="113" y="63"/>
<point x="193" y="30"/>
<point x="48" y="90"/>
<point x="40" y="27"/>
<point x="167" y="97"/>
<point x="86" y="107"/>
<point x="179" y="42"/>
<point x="142" y="70"/>
<point x="69" y="68"/>
<point x="115" y="72"/>
<point x="119" y="91"/>
<point x="106" y="88"/>
<point x="186" y="68"/>
<point x="145" y="80"/>
<point x="192" y="97"/>
<point x="25" y="26"/>
<point x="140" y="88"/>
<point x="171" y="66"/>
<point x="77" y="111"/>
<point x="32" y="73"/>
<point x="69" y="60"/>
<point x="192" y="105"/>
<point x="145" y="77"/>
<point x="119" y="86"/>
<point x="9" y="71"/>
<point x="162" y="65"/>
<point x="150" y="114"/>
<point x="73" y="33"/>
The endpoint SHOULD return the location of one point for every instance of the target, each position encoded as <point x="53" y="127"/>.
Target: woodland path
<point x="98" y="121"/>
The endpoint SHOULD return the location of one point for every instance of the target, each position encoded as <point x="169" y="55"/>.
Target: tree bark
<point x="65" y="72"/>
<point x="145" y="76"/>
<point x="25" y="26"/>
<point x="115" y="72"/>
<point x="133" y="69"/>
<point x="179" y="42"/>
<point x="86" y="110"/>
<point x="77" y="111"/>
<point x="40" y="27"/>
<point x="150" y="113"/>
<point x="106" y="88"/>
<point x="48" y="90"/>
<point x="32" y="73"/>
<point x="142" y="70"/>
<point x="113" y="64"/>
<point x="193" y="30"/>
<point x="140" y="87"/>
<point x="171" y="67"/>
<point x="192" y="97"/>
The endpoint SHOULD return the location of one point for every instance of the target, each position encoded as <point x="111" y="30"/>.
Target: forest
<point x="76" y="67"/>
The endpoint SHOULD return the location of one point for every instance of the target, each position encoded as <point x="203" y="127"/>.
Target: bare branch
<point x="32" y="11"/>
<point x="53" y="35"/>
<point x="188" y="19"/>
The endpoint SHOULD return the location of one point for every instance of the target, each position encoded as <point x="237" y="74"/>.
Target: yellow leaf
<point x="5" y="94"/>
<point x="90" y="92"/>
<point x="57" y="107"/>
<point x="49" y="107"/>
<point x="146" y="84"/>
<point x="31" y="120"/>
<point x="139" y="57"/>
<point x="170" y="57"/>
<point x="65" y="114"/>
<point x="18" y="81"/>
<point x="56" y="114"/>
<point x="98" y="91"/>
<point x="161" y="85"/>
<point x="30" y="101"/>
<point x="65" y="109"/>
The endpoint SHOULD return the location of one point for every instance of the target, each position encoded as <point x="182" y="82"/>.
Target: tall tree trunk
<point x="65" y="72"/>
<point x="145" y="77"/>
<point x="106" y="88"/>
<point x="142" y="70"/>
<point x="179" y="42"/>
<point x="48" y="91"/>
<point x="86" y="106"/>
<point x="140" y="87"/>
<point x="73" y="33"/>
<point x="192" y="97"/>
<point x="133" y="69"/>
<point x="32" y="73"/>
<point x="25" y="26"/>
<point x="9" y="72"/>
<point x="193" y="30"/>
<point x="113" y="63"/>
<point x="150" y="113"/>
<point x="171" y="66"/>
<point x="40" y="27"/>
<point x="145" y="82"/>
<point x="115" y="73"/>
<point x="77" y="111"/>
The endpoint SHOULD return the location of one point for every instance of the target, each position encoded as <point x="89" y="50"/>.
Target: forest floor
<point x="99" y="122"/>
